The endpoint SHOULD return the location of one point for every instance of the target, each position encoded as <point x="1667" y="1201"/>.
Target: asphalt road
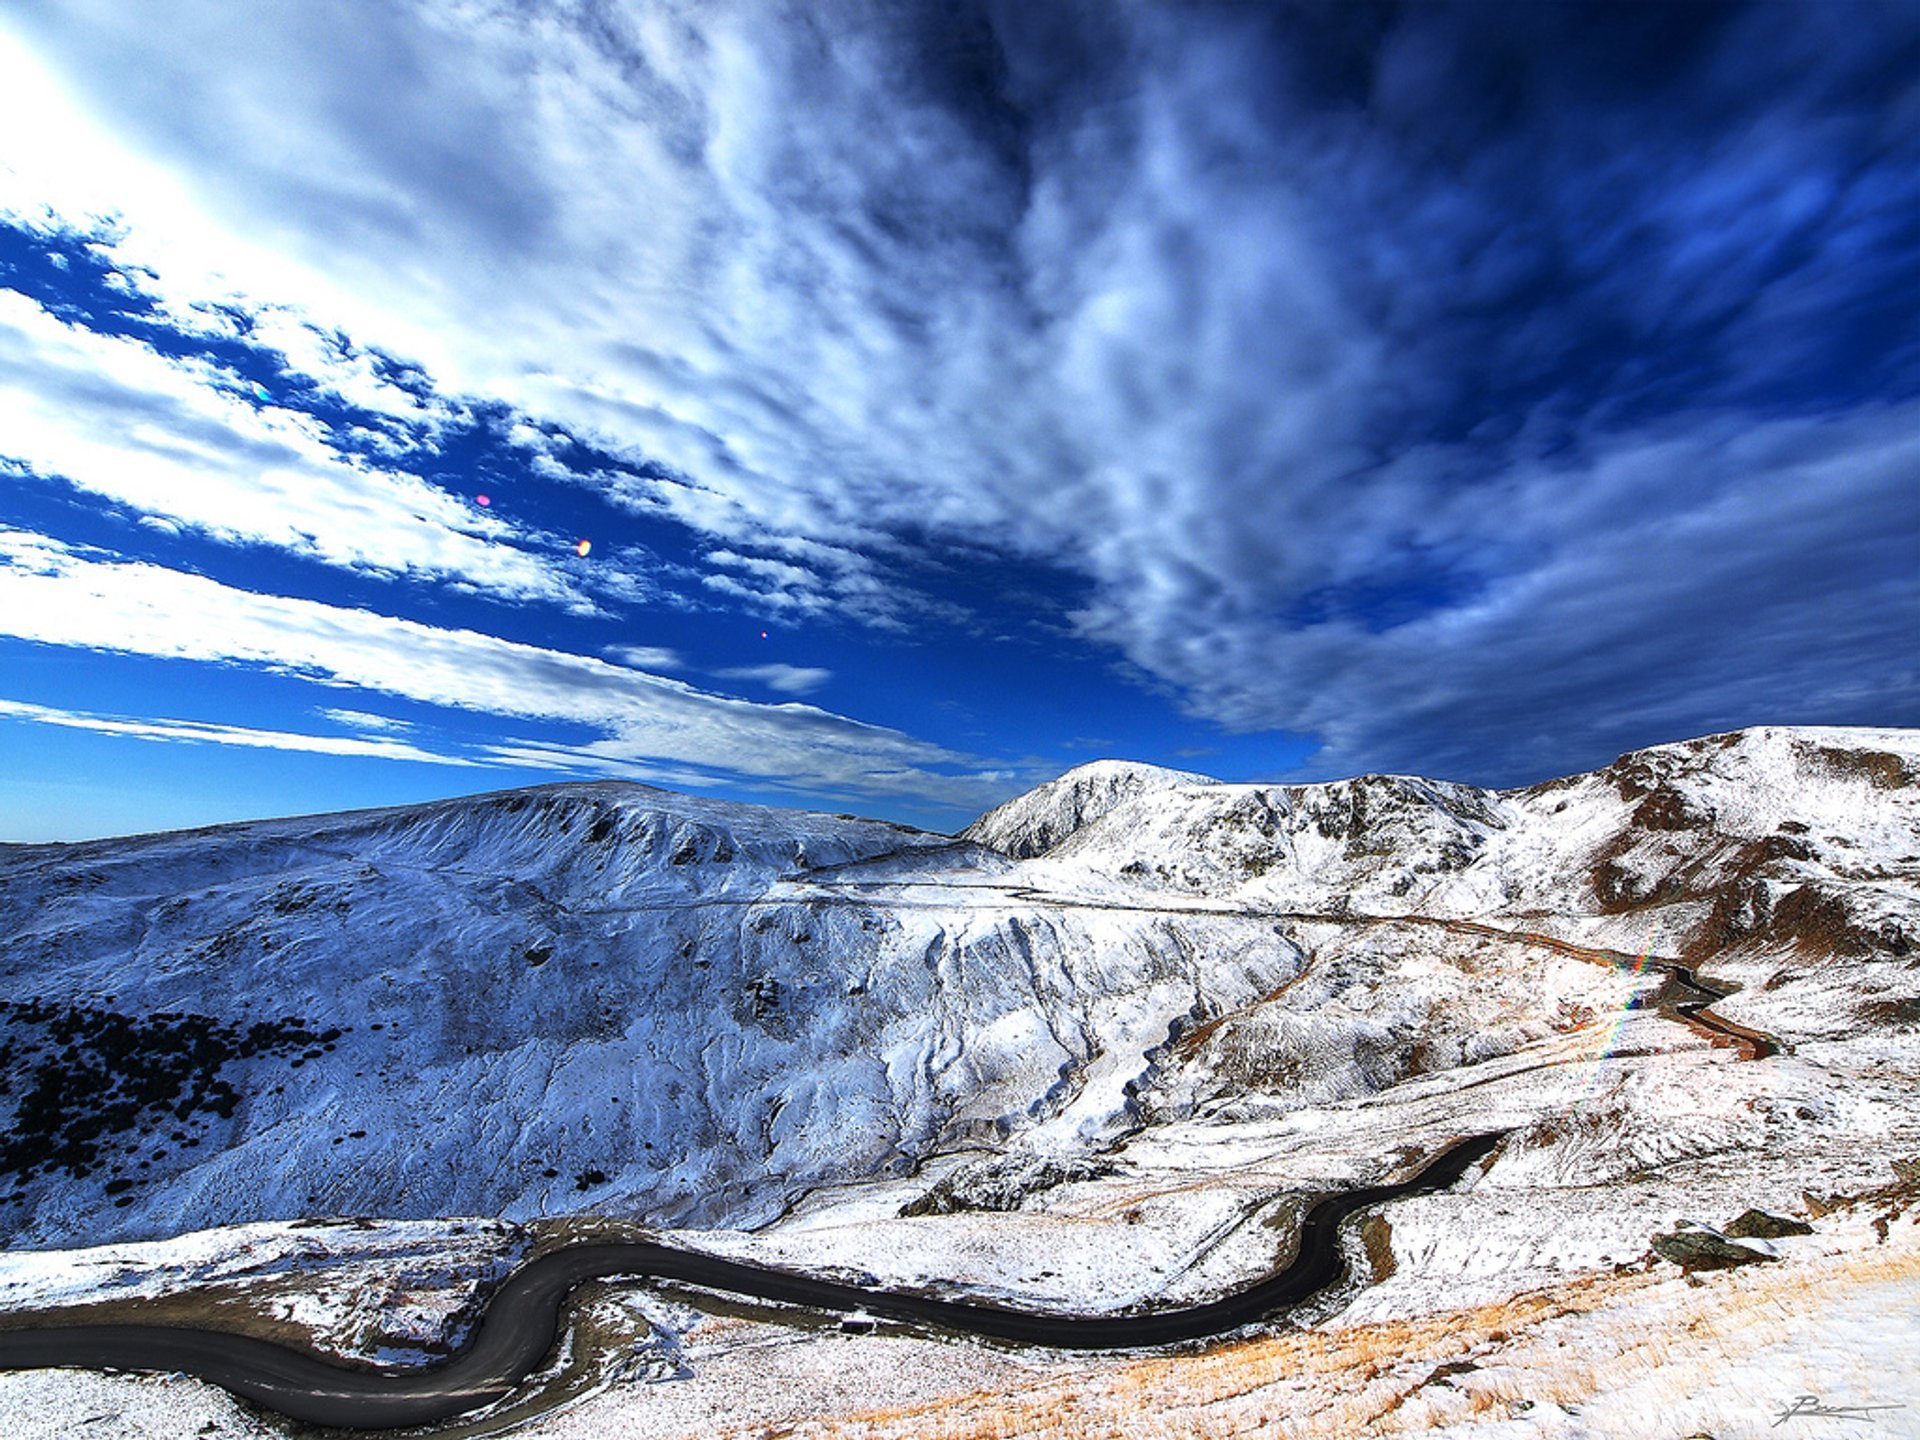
<point x="523" y="1321"/>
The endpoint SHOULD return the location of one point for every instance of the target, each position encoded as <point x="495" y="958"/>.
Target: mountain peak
<point x="1033" y="823"/>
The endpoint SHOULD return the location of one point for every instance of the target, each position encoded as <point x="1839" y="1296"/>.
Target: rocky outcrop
<point x="1764" y="1225"/>
<point x="1003" y="1183"/>
<point x="1700" y="1247"/>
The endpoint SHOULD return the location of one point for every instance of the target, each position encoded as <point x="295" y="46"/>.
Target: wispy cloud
<point x="208" y="733"/>
<point x="362" y="719"/>
<point x="646" y="657"/>
<point x="787" y="679"/>
<point x="54" y="594"/>
<point x="176" y="441"/>
<point x="1358" y="366"/>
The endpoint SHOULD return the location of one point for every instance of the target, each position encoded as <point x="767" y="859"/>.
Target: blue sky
<point x="948" y="394"/>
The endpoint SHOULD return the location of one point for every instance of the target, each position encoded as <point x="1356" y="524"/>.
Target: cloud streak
<point x="787" y="679"/>
<point x="175" y="440"/>
<point x="53" y="594"/>
<point x="647" y="657"/>
<point x="212" y="733"/>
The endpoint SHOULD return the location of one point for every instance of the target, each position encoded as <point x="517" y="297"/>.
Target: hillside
<point x="611" y="997"/>
<point x="1088" y="1055"/>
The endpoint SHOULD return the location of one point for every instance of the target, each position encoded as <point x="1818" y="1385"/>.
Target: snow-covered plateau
<point x="329" y="1078"/>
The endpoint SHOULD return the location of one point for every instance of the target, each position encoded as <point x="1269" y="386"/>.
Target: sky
<point x="883" y="407"/>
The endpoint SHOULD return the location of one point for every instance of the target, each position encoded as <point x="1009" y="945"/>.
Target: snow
<point x="776" y="1032"/>
<point x="1031" y="824"/>
<point x="60" y="1404"/>
<point x="389" y="1291"/>
<point x="1589" y="1355"/>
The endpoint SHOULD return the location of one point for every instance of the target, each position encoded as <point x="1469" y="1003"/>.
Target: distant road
<point x="522" y="1322"/>
<point x="1684" y="997"/>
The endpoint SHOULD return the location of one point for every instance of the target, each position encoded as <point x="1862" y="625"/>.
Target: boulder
<point x="1764" y="1225"/>
<point x="1697" y="1247"/>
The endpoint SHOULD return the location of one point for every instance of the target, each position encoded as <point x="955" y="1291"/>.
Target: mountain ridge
<point x="600" y="996"/>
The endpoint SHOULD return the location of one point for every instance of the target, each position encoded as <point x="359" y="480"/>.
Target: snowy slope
<point x="604" y="997"/>
<point x="1093" y="1054"/>
<point x="578" y="997"/>
<point x="1033" y="823"/>
<point x="1673" y="822"/>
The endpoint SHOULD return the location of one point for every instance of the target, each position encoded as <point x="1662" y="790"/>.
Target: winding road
<point x="523" y="1321"/>
<point x="1684" y="996"/>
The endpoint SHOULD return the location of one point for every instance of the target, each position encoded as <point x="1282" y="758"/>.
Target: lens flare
<point x="1609" y="1039"/>
<point x="482" y="501"/>
<point x="583" y="547"/>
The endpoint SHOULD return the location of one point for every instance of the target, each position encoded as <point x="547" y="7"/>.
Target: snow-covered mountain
<point x="1729" y="828"/>
<point x="1033" y="823"/>
<point x="605" y="997"/>
<point x="580" y="996"/>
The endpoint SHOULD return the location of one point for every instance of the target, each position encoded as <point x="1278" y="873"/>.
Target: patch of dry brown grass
<point x="1218" y="1392"/>
<point x="1403" y="1377"/>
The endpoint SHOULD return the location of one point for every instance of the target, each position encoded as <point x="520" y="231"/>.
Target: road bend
<point x="524" y="1319"/>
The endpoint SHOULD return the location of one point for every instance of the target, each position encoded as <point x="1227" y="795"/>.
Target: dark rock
<point x="1761" y="1225"/>
<point x="1001" y="1184"/>
<point x="1665" y="808"/>
<point x="1704" y="1249"/>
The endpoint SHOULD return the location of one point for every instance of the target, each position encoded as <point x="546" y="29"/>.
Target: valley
<point x="1100" y="1056"/>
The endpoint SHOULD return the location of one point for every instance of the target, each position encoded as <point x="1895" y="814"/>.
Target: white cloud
<point x="173" y="439"/>
<point x="1766" y="575"/>
<point x="202" y="732"/>
<point x="770" y="599"/>
<point x="625" y="173"/>
<point x="334" y="364"/>
<point x="787" y="679"/>
<point x="774" y="573"/>
<point x="55" y="594"/>
<point x="362" y="719"/>
<point x="1137" y="308"/>
<point x="754" y="252"/>
<point x="765" y="254"/>
<point x="646" y="657"/>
